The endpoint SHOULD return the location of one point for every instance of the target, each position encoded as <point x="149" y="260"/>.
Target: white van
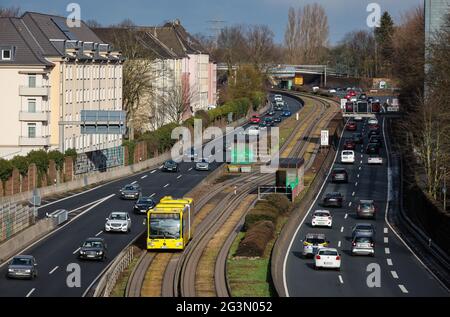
<point x="348" y="156"/>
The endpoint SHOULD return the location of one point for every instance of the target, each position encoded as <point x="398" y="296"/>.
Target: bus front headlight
<point x="179" y="244"/>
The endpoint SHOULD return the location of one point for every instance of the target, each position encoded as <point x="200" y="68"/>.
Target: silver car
<point x="362" y="245"/>
<point x="363" y="230"/>
<point x="118" y="222"/>
<point x="203" y="165"/>
<point x="22" y="267"/>
<point x="366" y="209"/>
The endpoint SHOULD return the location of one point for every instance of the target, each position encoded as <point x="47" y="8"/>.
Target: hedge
<point x="256" y="239"/>
<point x="255" y="215"/>
<point x="281" y="202"/>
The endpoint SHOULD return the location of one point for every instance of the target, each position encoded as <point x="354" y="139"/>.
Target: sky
<point x="195" y="15"/>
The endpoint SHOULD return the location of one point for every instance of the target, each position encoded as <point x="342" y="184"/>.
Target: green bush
<point x="21" y="163"/>
<point x="72" y="153"/>
<point x="58" y="157"/>
<point x="131" y="146"/>
<point x="280" y="202"/>
<point x="40" y="158"/>
<point x="6" y="169"/>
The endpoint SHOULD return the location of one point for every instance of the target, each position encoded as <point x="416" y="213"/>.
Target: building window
<point x="32" y="105"/>
<point x="6" y="55"/>
<point x="31" y="130"/>
<point x="32" y="81"/>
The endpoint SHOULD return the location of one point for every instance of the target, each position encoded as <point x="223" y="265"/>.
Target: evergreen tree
<point x="383" y="37"/>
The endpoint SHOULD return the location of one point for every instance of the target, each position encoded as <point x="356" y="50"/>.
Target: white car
<point x="253" y="131"/>
<point x="118" y="221"/>
<point x="348" y="156"/>
<point x="278" y="98"/>
<point x="327" y="258"/>
<point x="332" y="91"/>
<point x="358" y="118"/>
<point x="322" y="218"/>
<point x="375" y="159"/>
<point x="372" y="121"/>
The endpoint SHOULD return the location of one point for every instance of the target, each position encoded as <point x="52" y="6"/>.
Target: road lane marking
<point x="346" y="215"/>
<point x="353" y="194"/>
<point x="133" y="182"/>
<point x="145" y="176"/>
<point x="385" y="230"/>
<point x="357" y="175"/>
<point x="387" y="251"/>
<point x="341" y="280"/>
<point x="152" y="171"/>
<point x="394" y="274"/>
<point x="342" y="229"/>
<point x="76" y="250"/>
<point x="403" y="288"/>
<point x="361" y="162"/>
<point x="389" y="262"/>
<point x="161" y="166"/>
<point x="30" y="292"/>
<point x="99" y="233"/>
<point x="360" y="168"/>
<point x="167" y="185"/>
<point x="386" y="240"/>
<point x="179" y="176"/>
<point x="190" y="169"/>
<point x="350" y="204"/>
<point x="362" y="155"/>
<point x="54" y="269"/>
<point x="339" y="244"/>
<point x="356" y="184"/>
<point x="152" y="195"/>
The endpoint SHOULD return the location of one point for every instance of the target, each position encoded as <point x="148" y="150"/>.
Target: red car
<point x="255" y="119"/>
<point x="352" y="93"/>
<point x="351" y="126"/>
<point x="349" y="144"/>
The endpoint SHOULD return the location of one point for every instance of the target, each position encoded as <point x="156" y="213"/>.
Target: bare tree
<point x="259" y="44"/>
<point x="230" y="43"/>
<point x="10" y="12"/>
<point x="290" y="36"/>
<point x="176" y="102"/>
<point x="93" y="24"/>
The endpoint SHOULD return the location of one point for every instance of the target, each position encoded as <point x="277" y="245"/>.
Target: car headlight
<point x="10" y="270"/>
<point x="99" y="252"/>
<point x="151" y="244"/>
<point x="82" y="252"/>
<point x="27" y="271"/>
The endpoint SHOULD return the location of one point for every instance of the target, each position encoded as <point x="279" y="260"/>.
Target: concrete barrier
<point x="25" y="238"/>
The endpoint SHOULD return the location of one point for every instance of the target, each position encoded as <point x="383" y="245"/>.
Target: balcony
<point x="36" y="141"/>
<point x="34" y="91"/>
<point x="41" y="116"/>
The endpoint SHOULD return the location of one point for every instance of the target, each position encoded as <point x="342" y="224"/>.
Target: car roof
<point x="365" y="201"/>
<point x="328" y="249"/>
<point x="315" y="236"/>
<point x="322" y="210"/>
<point x="23" y="256"/>
<point x="334" y="193"/>
<point x="95" y="239"/>
<point x="118" y="213"/>
<point x="364" y="224"/>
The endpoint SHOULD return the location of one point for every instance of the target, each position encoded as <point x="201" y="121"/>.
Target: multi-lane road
<point x="58" y="250"/>
<point x="400" y="272"/>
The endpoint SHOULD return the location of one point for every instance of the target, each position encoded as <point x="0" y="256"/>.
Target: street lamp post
<point x="444" y="189"/>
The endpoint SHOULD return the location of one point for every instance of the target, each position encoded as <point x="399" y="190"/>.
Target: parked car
<point x="22" y="267"/>
<point x="363" y="230"/>
<point x="130" y="191"/>
<point x="362" y="245"/>
<point x="313" y="242"/>
<point x="143" y="205"/>
<point x="349" y="144"/>
<point x="255" y="119"/>
<point x="93" y="249"/>
<point x="171" y="166"/>
<point x="203" y="165"/>
<point x="347" y="156"/>
<point x="351" y="126"/>
<point x="333" y="199"/>
<point x="375" y="160"/>
<point x="339" y="175"/>
<point x="366" y="209"/>
<point x="322" y="218"/>
<point x="118" y="221"/>
<point x="358" y="138"/>
<point x="328" y="258"/>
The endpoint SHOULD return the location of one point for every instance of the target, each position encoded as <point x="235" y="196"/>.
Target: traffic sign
<point x="324" y="137"/>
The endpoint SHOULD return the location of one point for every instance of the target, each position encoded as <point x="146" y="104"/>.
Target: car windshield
<point x="21" y="261"/>
<point x="164" y="225"/>
<point x="315" y="240"/>
<point x="117" y="217"/>
<point x="129" y="187"/>
<point x="93" y="244"/>
<point x="328" y="252"/>
<point x="321" y="214"/>
<point x="366" y="205"/>
<point x="347" y="153"/>
<point x="363" y="240"/>
<point x="145" y="200"/>
<point x="364" y="228"/>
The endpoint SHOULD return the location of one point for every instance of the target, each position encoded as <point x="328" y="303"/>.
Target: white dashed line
<point x="341" y="280"/>
<point x="360" y="168"/>
<point x="403" y="288"/>
<point x="54" y="269"/>
<point x="339" y="244"/>
<point x="76" y="251"/>
<point x="350" y="204"/>
<point x="389" y="262"/>
<point x="385" y="230"/>
<point x="394" y="274"/>
<point x="161" y="166"/>
<point x="133" y="182"/>
<point x="386" y="240"/>
<point x="357" y="175"/>
<point x="190" y="169"/>
<point x="99" y="233"/>
<point x="179" y="176"/>
<point x="362" y="155"/>
<point x="387" y="251"/>
<point x="342" y="229"/>
<point x="30" y="292"/>
<point x="356" y="184"/>
<point x="145" y="176"/>
<point x="346" y="215"/>
<point x="152" y="195"/>
<point x="167" y="185"/>
<point x="361" y="162"/>
<point x="152" y="171"/>
<point x="353" y="194"/>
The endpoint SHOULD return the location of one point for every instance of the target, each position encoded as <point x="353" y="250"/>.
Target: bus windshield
<point x="164" y="226"/>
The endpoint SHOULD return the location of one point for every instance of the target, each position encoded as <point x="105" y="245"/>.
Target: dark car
<point x="351" y="126"/>
<point x="93" y="249"/>
<point x="339" y="175"/>
<point x="362" y="97"/>
<point x="130" y="191"/>
<point x="263" y="124"/>
<point x="349" y="144"/>
<point x="170" y="166"/>
<point x="277" y="119"/>
<point x="358" y="138"/>
<point x="376" y="138"/>
<point x="143" y="205"/>
<point x="268" y="121"/>
<point x="373" y="148"/>
<point x="287" y="113"/>
<point x="271" y="112"/>
<point x="22" y="266"/>
<point x="333" y="199"/>
<point x="373" y="132"/>
<point x="370" y="99"/>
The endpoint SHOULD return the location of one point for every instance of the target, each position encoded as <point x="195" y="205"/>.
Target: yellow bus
<point x="169" y="224"/>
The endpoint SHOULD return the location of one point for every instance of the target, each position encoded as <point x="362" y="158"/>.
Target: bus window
<point x="165" y="226"/>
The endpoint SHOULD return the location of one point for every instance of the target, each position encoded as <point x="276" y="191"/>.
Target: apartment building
<point x="72" y="95"/>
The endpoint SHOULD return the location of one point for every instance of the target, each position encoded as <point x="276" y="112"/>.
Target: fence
<point x="100" y="160"/>
<point x="13" y="219"/>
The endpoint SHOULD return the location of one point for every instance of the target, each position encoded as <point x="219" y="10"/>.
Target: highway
<point x="55" y="252"/>
<point x="401" y="273"/>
